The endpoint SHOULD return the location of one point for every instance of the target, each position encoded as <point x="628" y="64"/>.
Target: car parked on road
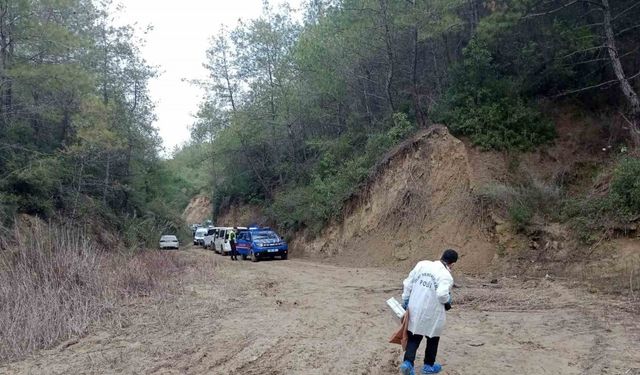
<point x="169" y="241"/>
<point x="258" y="243"/>
<point x="198" y="238"/>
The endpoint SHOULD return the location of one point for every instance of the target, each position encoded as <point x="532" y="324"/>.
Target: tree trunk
<point x="106" y="180"/>
<point x="388" y="42"/>
<point x="420" y="116"/>
<point x="6" y="50"/>
<point x="627" y="89"/>
<point x="226" y="77"/>
<point x="78" y="187"/>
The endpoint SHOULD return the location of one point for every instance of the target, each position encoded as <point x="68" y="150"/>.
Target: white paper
<point x="396" y="307"/>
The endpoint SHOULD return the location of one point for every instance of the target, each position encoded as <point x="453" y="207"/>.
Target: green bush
<point x="8" y="208"/>
<point x="34" y="185"/>
<point x="520" y="215"/>
<point x="522" y="203"/>
<point x="592" y="216"/>
<point x="625" y="187"/>
<point x="487" y="106"/>
<point x="402" y="127"/>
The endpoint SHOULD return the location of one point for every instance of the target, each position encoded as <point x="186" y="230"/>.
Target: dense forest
<point x="298" y="109"/>
<point x="76" y="134"/>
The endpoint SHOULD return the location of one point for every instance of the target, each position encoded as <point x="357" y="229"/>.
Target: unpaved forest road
<point x="300" y="317"/>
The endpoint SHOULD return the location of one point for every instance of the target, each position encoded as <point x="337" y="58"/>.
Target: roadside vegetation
<point x="56" y="283"/>
<point x="78" y="152"/>
<point x="594" y="214"/>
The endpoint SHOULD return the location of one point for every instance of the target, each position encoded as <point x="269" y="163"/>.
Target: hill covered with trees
<point x="297" y="110"/>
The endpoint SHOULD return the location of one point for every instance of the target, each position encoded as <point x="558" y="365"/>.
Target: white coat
<point x="427" y="288"/>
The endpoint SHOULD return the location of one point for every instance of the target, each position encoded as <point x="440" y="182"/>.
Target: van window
<point x="266" y="235"/>
<point x="210" y="232"/>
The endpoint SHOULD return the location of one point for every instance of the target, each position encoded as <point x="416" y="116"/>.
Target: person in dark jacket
<point x="232" y="243"/>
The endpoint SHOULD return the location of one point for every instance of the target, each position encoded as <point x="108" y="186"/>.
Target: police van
<point x="259" y="243"/>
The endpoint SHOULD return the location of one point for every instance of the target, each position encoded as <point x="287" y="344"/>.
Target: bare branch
<point x="627" y="29"/>
<point x="604" y="58"/>
<point x="625" y="11"/>
<point x="556" y="10"/>
<point x="584" y="50"/>
<point x="594" y="86"/>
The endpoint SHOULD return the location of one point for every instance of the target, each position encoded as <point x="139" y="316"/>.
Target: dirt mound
<point x="416" y="203"/>
<point x="241" y="215"/>
<point x="198" y="210"/>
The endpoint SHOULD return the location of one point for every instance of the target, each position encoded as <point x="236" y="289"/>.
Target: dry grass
<point x="55" y="284"/>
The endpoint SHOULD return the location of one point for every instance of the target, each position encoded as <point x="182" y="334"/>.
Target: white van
<point x="221" y="241"/>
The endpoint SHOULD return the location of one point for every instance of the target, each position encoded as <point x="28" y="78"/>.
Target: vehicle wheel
<point x="284" y="256"/>
<point x="254" y="258"/>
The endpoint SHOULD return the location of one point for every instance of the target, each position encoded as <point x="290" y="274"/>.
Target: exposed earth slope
<point x="416" y="203"/>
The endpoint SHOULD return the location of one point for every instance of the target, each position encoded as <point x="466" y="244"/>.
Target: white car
<point x="169" y="242"/>
<point x="198" y="238"/>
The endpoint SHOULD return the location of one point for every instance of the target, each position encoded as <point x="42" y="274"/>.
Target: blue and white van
<point x="259" y="243"/>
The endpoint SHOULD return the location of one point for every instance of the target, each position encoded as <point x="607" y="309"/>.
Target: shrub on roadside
<point x="521" y="204"/>
<point x="55" y="284"/>
<point x="625" y="187"/>
<point x="596" y="216"/>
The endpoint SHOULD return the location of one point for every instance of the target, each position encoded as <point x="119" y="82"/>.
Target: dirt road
<point x="300" y="317"/>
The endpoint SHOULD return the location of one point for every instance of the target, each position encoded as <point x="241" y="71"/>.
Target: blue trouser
<point x="429" y="353"/>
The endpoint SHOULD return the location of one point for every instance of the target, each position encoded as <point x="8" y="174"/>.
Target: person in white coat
<point x="427" y="295"/>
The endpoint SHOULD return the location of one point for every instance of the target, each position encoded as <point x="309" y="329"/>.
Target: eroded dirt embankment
<point x="416" y="203"/>
<point x="198" y="210"/>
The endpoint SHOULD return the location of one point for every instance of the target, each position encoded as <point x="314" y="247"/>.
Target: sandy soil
<point x="302" y="317"/>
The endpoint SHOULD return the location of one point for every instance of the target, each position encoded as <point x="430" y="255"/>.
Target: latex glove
<point x="405" y="303"/>
<point x="447" y="305"/>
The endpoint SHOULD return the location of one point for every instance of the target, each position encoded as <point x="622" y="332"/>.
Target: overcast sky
<point x="177" y="46"/>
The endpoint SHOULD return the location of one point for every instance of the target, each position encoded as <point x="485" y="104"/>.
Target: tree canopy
<point x="76" y="134"/>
